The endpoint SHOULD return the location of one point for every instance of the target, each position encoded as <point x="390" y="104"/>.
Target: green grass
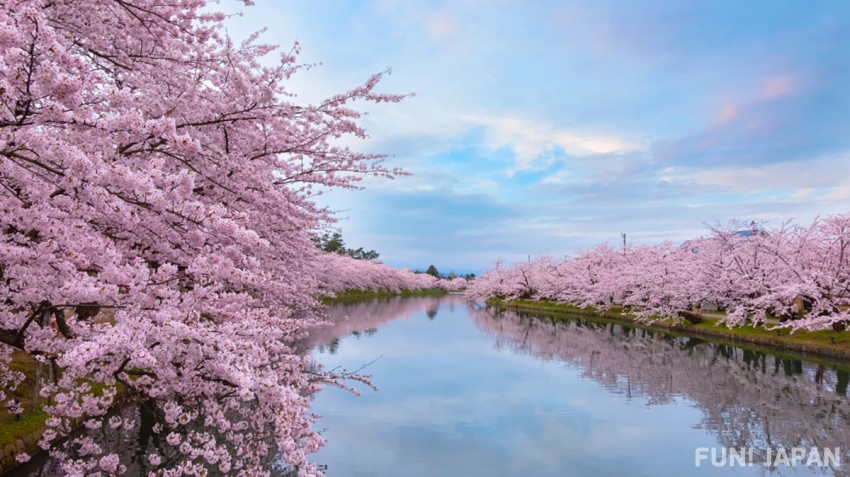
<point x="32" y="421"/>
<point x="33" y="417"/>
<point x="826" y="338"/>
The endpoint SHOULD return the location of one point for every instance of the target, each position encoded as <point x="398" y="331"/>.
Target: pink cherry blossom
<point x="157" y="214"/>
<point x="757" y="275"/>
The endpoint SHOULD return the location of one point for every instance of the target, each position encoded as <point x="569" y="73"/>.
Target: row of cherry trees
<point x="156" y="213"/>
<point x="338" y="273"/>
<point x="751" y="272"/>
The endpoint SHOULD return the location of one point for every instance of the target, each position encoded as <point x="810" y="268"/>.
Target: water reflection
<point x="366" y="316"/>
<point x="748" y="398"/>
<point x="484" y="391"/>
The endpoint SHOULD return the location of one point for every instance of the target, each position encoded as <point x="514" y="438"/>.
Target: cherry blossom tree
<point x="338" y="273"/>
<point x="820" y="262"/>
<point x="757" y="275"/>
<point x="157" y="183"/>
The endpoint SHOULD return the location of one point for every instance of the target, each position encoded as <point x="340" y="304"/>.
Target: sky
<point x="546" y="127"/>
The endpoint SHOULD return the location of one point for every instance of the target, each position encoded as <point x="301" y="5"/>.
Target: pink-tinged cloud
<point x="779" y="86"/>
<point x="442" y="27"/>
<point x="729" y="112"/>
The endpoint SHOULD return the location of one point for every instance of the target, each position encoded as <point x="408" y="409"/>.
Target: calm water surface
<point x="469" y="390"/>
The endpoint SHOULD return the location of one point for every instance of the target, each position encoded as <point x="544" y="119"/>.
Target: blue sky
<point x="544" y="127"/>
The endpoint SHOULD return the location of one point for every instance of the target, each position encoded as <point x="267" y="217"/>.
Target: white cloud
<point x="534" y="142"/>
<point x="837" y="194"/>
<point x="563" y="176"/>
<point x="802" y="178"/>
<point x="442" y="27"/>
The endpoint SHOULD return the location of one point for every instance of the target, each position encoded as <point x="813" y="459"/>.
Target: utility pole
<point x="623" y="234"/>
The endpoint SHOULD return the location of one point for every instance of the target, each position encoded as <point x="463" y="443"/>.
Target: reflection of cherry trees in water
<point x="748" y="398"/>
<point x="366" y="316"/>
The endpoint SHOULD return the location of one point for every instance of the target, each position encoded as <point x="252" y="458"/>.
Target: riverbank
<point x="22" y="433"/>
<point x="811" y="345"/>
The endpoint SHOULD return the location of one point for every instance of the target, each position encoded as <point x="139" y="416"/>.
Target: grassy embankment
<point x="833" y="345"/>
<point x="21" y="435"/>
